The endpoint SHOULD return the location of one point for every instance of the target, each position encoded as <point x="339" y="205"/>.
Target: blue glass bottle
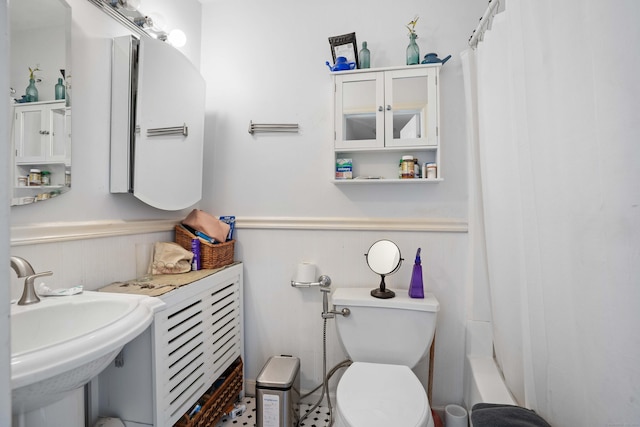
<point x="32" y="91"/>
<point x="413" y="51"/>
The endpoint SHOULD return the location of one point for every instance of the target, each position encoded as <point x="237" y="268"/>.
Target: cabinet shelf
<point x="387" y="149"/>
<point x="38" y="187"/>
<point x="357" y="181"/>
<point x="39" y="163"/>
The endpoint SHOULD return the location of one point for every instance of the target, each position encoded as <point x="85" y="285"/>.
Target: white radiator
<point x="190" y="343"/>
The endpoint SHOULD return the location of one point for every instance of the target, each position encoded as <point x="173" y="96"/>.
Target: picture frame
<point x="345" y="45"/>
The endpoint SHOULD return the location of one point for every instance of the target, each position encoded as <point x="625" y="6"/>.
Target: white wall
<point x="267" y="64"/>
<point x="29" y="49"/>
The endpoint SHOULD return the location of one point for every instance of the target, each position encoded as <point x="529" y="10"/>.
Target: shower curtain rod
<point x="478" y="33"/>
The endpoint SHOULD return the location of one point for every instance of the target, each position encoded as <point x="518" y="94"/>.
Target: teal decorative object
<point x="413" y="51"/>
<point x="365" y="56"/>
<point x="59" y="90"/>
<point x="32" y="91"/>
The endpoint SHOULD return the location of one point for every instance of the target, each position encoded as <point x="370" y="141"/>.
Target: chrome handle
<point x="380" y="108"/>
<point x="175" y="130"/>
<point x="345" y="312"/>
<point x="388" y="107"/>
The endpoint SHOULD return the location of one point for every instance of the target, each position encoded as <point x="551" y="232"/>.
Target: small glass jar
<point x="432" y="171"/>
<point x="46" y="178"/>
<point x="23" y="181"/>
<point x="35" y="177"/>
<point x="408" y="171"/>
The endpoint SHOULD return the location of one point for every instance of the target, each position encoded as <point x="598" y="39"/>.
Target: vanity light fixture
<point x="152" y="25"/>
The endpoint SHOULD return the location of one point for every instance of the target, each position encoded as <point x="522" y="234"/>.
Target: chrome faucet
<point x="23" y="269"/>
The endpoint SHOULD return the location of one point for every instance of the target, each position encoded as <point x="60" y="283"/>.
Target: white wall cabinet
<point x="39" y="132"/>
<point x="382" y="114"/>
<point x="41" y="140"/>
<point x="191" y="342"/>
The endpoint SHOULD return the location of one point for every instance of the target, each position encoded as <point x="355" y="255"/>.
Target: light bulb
<point x="177" y="38"/>
<point x="159" y="23"/>
<point x="132" y="5"/>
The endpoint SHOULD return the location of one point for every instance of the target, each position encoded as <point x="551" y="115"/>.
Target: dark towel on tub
<point x="496" y="415"/>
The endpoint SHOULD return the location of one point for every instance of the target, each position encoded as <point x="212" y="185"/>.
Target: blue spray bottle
<point x="416" y="290"/>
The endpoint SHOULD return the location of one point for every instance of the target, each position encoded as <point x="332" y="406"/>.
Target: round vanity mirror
<point x="383" y="258"/>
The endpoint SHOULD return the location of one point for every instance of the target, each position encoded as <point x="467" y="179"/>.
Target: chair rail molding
<point x="29" y="234"/>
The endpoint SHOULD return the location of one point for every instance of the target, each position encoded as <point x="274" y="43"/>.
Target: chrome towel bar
<point x="175" y="130"/>
<point x="272" y="127"/>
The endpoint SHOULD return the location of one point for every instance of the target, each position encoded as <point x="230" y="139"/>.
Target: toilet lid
<point x="372" y="394"/>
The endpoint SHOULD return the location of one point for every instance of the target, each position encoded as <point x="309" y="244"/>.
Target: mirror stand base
<point x="382" y="293"/>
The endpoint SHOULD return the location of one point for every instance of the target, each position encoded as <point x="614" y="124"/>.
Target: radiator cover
<point x="190" y="343"/>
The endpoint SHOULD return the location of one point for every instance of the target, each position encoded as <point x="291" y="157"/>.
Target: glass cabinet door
<point x="359" y="116"/>
<point x="58" y="142"/>
<point x="29" y="131"/>
<point x="410" y="106"/>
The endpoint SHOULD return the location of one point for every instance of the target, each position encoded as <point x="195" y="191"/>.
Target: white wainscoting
<point x="280" y="319"/>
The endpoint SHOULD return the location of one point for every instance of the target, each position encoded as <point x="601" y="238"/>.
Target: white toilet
<point x="384" y="338"/>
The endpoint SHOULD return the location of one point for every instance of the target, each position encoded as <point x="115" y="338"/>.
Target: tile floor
<point x="248" y="418"/>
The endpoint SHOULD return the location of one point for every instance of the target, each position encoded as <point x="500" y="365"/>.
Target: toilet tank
<point x="395" y="331"/>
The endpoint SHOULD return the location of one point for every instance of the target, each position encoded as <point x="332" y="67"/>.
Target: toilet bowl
<point x="379" y="395"/>
<point x="384" y="338"/>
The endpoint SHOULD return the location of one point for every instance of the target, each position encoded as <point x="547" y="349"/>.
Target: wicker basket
<point x="215" y="405"/>
<point x="213" y="255"/>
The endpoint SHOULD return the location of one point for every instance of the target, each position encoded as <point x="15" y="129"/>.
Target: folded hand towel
<point x="170" y="258"/>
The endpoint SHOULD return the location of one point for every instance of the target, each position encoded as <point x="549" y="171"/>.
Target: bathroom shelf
<point x="386" y="181"/>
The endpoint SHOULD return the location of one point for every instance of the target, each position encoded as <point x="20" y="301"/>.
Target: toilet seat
<point x="379" y="395"/>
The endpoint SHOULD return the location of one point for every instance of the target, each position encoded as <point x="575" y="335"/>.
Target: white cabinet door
<point x="359" y="115"/>
<point x="29" y="136"/>
<point x="411" y="107"/>
<point x="157" y="124"/>
<point x="171" y="94"/>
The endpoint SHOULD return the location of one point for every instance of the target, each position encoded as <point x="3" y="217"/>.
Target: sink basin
<point x="61" y="343"/>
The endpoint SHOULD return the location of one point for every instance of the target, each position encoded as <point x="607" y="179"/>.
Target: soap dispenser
<point x="416" y="290"/>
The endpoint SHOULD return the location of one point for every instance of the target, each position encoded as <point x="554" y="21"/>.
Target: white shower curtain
<point x="554" y="90"/>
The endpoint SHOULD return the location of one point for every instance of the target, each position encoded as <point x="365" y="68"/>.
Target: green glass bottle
<point x="59" y="90"/>
<point x="32" y="91"/>
<point x="364" y="56"/>
<point x="413" y="51"/>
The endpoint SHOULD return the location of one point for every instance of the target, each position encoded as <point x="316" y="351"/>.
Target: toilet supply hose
<point x="325" y="381"/>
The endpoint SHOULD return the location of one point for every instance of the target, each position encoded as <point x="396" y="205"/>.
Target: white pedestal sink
<point x="60" y="343"/>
